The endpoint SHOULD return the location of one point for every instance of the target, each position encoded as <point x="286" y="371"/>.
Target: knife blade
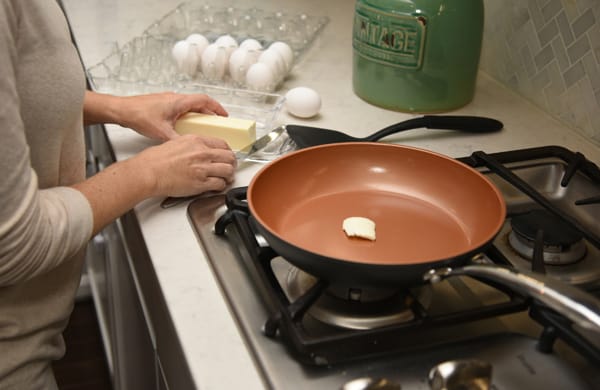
<point x="247" y="151"/>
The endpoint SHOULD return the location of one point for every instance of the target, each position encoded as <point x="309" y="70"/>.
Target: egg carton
<point x="298" y="31"/>
<point x="148" y="59"/>
<point x="146" y="63"/>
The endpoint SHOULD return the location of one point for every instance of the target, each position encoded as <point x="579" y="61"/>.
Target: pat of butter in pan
<point x="359" y="227"/>
<point x="238" y="133"/>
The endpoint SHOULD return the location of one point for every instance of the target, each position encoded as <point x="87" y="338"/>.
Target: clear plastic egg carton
<point x="297" y="30"/>
<point x="146" y="64"/>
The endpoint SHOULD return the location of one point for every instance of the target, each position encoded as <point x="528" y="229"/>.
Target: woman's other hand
<point x="188" y="165"/>
<point x="154" y="115"/>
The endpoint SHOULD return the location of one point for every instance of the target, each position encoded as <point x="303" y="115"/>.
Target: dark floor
<point x="84" y="364"/>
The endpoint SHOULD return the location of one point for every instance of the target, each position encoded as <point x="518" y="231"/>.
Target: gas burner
<point x="357" y="308"/>
<point x="561" y="244"/>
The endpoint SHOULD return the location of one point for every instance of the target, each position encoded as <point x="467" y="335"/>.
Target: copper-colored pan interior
<point x="426" y="206"/>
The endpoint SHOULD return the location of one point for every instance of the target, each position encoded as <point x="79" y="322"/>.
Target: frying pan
<point x="430" y="211"/>
<point x="432" y="214"/>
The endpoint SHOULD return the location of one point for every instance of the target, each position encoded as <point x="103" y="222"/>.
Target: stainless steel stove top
<point x="545" y="175"/>
<point x="507" y="340"/>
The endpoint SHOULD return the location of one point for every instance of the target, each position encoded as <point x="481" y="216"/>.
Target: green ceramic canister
<point x="417" y="55"/>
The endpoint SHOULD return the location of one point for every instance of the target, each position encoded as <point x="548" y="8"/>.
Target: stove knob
<point x="469" y="374"/>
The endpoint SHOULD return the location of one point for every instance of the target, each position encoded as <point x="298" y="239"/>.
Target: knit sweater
<point x="44" y="225"/>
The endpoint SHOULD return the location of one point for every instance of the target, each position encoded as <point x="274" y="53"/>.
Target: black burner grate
<point x="288" y="319"/>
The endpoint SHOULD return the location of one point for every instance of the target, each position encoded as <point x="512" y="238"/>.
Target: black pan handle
<point x="470" y="124"/>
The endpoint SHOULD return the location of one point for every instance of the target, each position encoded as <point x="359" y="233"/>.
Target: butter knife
<point x="246" y="152"/>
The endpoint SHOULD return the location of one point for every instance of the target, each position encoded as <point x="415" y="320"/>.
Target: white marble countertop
<point x="212" y="344"/>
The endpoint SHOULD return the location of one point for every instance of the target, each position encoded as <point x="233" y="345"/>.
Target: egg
<point x="286" y="52"/>
<point x="260" y="77"/>
<point x="303" y="102"/>
<point x="239" y="62"/>
<point x="185" y="57"/>
<point x="251" y="44"/>
<point x="200" y="42"/>
<point x="180" y="49"/>
<point x="228" y="42"/>
<point x="274" y="60"/>
<point x="214" y="62"/>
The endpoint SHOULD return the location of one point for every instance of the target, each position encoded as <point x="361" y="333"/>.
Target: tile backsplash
<point x="549" y="52"/>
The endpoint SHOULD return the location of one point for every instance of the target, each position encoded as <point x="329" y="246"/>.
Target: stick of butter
<point x="238" y="133"/>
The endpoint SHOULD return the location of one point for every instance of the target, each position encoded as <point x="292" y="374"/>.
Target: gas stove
<point x="305" y="333"/>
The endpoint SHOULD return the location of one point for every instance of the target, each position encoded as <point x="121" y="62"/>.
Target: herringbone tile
<point x="549" y="52"/>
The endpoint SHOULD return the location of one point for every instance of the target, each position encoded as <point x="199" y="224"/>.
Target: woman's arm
<point x="184" y="166"/>
<point x="152" y="115"/>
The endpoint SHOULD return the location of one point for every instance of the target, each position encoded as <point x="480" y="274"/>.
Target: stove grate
<point x="288" y="318"/>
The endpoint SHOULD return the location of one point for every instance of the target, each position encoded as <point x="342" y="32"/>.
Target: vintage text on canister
<point x="417" y="55"/>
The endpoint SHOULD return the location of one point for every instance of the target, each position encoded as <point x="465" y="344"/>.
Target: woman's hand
<point x="151" y="115"/>
<point x="154" y="115"/>
<point x="188" y="165"/>
<point x="181" y="166"/>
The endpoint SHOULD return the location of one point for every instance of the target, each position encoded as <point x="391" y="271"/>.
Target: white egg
<point x="251" y="44"/>
<point x="286" y="52"/>
<point x="303" y="102"/>
<point x="273" y="59"/>
<point x="239" y="62"/>
<point x="180" y="49"/>
<point x="260" y="77"/>
<point x="199" y="40"/>
<point x="214" y="62"/>
<point x="185" y="57"/>
<point x="228" y="42"/>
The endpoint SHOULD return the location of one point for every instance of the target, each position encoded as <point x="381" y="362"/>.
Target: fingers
<point x="215" y="184"/>
<point x="188" y="165"/>
<point x="221" y="156"/>
<point x="216" y="148"/>
<point x="221" y="171"/>
<point x="203" y="104"/>
<point x="216" y="162"/>
<point x="216" y="143"/>
<point x="168" y="133"/>
<point x="212" y="177"/>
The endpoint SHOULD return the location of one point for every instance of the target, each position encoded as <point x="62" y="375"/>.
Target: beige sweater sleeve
<point x="39" y="228"/>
